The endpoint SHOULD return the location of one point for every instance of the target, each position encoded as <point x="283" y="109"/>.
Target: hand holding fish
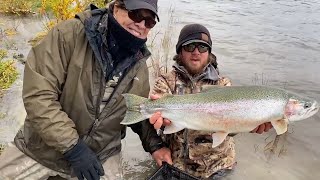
<point x="156" y="119"/>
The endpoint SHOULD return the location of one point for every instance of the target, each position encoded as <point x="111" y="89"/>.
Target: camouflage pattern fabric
<point x="2" y="146"/>
<point x="202" y="160"/>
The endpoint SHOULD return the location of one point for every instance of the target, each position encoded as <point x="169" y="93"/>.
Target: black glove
<point x="84" y="162"/>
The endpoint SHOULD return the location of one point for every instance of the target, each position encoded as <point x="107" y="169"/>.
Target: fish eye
<point x="307" y="105"/>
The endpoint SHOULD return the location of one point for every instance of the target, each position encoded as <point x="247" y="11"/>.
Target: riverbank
<point x="12" y="111"/>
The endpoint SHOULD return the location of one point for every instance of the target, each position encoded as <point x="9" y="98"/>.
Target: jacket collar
<point x="96" y="29"/>
<point x="209" y="73"/>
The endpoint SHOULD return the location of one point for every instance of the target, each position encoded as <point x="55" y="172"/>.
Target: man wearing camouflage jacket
<point x="195" y="66"/>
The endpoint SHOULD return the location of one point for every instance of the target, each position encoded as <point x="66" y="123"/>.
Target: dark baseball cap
<point x="143" y="4"/>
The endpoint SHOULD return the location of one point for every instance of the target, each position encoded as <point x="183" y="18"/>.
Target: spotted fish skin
<point x="224" y="109"/>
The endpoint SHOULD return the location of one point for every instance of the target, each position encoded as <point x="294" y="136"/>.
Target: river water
<point x="276" y="43"/>
<point x="273" y="42"/>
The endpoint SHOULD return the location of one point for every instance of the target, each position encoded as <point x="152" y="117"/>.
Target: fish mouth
<point x="315" y="106"/>
<point x="315" y="109"/>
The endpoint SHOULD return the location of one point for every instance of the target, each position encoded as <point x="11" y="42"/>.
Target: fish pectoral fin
<point x="172" y="128"/>
<point x="281" y="126"/>
<point x="218" y="138"/>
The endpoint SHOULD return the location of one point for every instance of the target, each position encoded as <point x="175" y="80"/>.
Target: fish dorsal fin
<point x="172" y="128"/>
<point x="281" y="126"/>
<point x="209" y="88"/>
<point x="218" y="138"/>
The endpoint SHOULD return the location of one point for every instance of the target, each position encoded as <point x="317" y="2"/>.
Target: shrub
<point x="3" y="53"/>
<point x="17" y="7"/>
<point x="8" y="74"/>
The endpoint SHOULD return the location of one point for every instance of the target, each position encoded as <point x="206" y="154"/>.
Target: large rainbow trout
<point x="223" y="110"/>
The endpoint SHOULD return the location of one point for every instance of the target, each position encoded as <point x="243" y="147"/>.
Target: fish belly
<point x="208" y="122"/>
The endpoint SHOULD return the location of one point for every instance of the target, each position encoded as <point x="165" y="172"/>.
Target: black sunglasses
<point x="136" y="16"/>
<point x="202" y="48"/>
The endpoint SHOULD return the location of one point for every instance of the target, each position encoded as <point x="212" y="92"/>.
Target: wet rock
<point x="19" y="57"/>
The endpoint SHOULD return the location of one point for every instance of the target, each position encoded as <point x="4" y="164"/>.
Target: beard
<point x="192" y="69"/>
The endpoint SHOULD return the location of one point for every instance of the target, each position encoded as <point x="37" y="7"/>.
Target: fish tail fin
<point x="133" y="113"/>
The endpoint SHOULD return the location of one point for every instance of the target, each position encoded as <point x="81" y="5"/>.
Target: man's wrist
<point x="156" y="147"/>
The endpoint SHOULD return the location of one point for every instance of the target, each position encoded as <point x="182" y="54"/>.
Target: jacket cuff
<point x="156" y="147"/>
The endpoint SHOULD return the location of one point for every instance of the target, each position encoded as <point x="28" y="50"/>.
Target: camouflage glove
<point x="84" y="162"/>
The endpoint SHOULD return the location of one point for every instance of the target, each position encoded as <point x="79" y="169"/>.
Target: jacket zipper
<point x="96" y="121"/>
